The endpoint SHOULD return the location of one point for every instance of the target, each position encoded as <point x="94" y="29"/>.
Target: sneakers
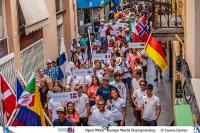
<point x="156" y="79"/>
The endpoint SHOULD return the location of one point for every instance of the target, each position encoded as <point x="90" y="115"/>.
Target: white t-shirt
<point x="80" y="57"/>
<point x="150" y="105"/>
<point x="116" y="108"/>
<point x="138" y="94"/>
<point x="102" y="31"/>
<point x="107" y="115"/>
<point x="125" y="68"/>
<point x="99" y="74"/>
<point x="121" y="87"/>
<point x="81" y="106"/>
<point x="52" y="106"/>
<point x="76" y="80"/>
<point x="135" y="83"/>
<point x="116" y="69"/>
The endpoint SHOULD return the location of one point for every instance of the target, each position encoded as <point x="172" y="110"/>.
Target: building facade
<point x="89" y="10"/>
<point x="30" y="36"/>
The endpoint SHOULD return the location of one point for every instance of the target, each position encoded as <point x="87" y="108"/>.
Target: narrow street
<point x="162" y="89"/>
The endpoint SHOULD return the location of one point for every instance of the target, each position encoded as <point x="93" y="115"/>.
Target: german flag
<point x="156" y="53"/>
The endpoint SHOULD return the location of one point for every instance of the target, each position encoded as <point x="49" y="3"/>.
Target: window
<point x="58" y="5"/>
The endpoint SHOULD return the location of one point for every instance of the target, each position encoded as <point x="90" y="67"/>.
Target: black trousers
<point x="83" y="121"/>
<point x="149" y="123"/>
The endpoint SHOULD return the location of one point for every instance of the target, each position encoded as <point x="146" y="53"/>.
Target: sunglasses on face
<point x="142" y="84"/>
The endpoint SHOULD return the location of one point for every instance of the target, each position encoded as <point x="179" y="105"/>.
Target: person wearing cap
<point x="119" y="85"/>
<point x="61" y="121"/>
<point x="104" y="89"/>
<point x="79" y="57"/>
<point x="96" y="45"/>
<point x="151" y="107"/>
<point x="102" y="32"/>
<point x="51" y="71"/>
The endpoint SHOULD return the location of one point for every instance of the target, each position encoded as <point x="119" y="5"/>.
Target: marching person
<point x="151" y="107"/>
<point x="72" y="114"/>
<point x="102" y="112"/>
<point x="61" y="121"/>
<point x="82" y="107"/>
<point x="117" y="106"/>
<point x="91" y="92"/>
<point x="104" y="90"/>
<point x="137" y="101"/>
<point x="119" y="85"/>
<point x="51" y="71"/>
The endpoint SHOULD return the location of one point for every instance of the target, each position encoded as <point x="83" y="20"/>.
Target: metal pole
<point x="1" y="109"/>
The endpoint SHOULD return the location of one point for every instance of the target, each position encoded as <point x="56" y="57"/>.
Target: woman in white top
<point x="117" y="106"/>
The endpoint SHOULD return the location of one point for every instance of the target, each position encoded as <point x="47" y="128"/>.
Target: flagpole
<point x="13" y="117"/>
<point x="3" y="124"/>
<point x="90" y="46"/>
<point x="148" y="40"/>
<point x="18" y="73"/>
<point x="47" y="118"/>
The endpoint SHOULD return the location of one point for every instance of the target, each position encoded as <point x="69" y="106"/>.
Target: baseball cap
<point x="60" y="109"/>
<point x="49" y="61"/>
<point x="106" y="78"/>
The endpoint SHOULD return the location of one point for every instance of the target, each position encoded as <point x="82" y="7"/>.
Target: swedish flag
<point x="114" y="4"/>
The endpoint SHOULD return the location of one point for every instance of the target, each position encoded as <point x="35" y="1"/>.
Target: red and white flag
<point x="8" y="99"/>
<point x="142" y="29"/>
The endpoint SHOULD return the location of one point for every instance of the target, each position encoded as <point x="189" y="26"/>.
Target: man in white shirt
<point x="102" y="32"/>
<point x="151" y="108"/>
<point x="137" y="101"/>
<point x="102" y="112"/>
<point x="119" y="85"/>
<point x="82" y="107"/>
<point x="114" y="66"/>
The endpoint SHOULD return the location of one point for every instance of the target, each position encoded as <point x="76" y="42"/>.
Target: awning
<point x="84" y="4"/>
<point x="35" y="14"/>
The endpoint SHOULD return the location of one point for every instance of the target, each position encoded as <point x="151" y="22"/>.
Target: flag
<point x="142" y="28"/>
<point x="63" y="65"/>
<point x="33" y="115"/>
<point x="133" y="32"/>
<point x="156" y="53"/>
<point x="114" y="4"/>
<point x="19" y="88"/>
<point x="8" y="99"/>
<point x="27" y="97"/>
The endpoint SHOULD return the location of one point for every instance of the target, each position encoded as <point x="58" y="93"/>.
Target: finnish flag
<point x="63" y="59"/>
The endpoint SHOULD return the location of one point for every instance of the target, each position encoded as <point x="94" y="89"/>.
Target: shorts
<point x="127" y="82"/>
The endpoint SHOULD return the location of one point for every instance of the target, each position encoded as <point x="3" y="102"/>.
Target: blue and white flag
<point x="63" y="63"/>
<point x="19" y="85"/>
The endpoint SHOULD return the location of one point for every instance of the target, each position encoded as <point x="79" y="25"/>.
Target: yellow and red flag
<point x="155" y="52"/>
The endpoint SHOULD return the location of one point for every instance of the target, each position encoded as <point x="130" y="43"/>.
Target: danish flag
<point x="142" y="29"/>
<point x="8" y="98"/>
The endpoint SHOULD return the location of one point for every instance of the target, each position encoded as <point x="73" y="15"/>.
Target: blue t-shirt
<point x="102" y="91"/>
<point x="57" y="122"/>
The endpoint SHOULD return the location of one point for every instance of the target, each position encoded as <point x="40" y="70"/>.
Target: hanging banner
<point x="104" y="57"/>
<point x="83" y="72"/>
<point x="65" y="97"/>
<point x="137" y="45"/>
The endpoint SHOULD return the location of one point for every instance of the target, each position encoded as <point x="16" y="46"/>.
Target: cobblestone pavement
<point x="162" y="89"/>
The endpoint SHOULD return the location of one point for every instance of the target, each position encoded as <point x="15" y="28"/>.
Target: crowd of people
<point x="115" y="82"/>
